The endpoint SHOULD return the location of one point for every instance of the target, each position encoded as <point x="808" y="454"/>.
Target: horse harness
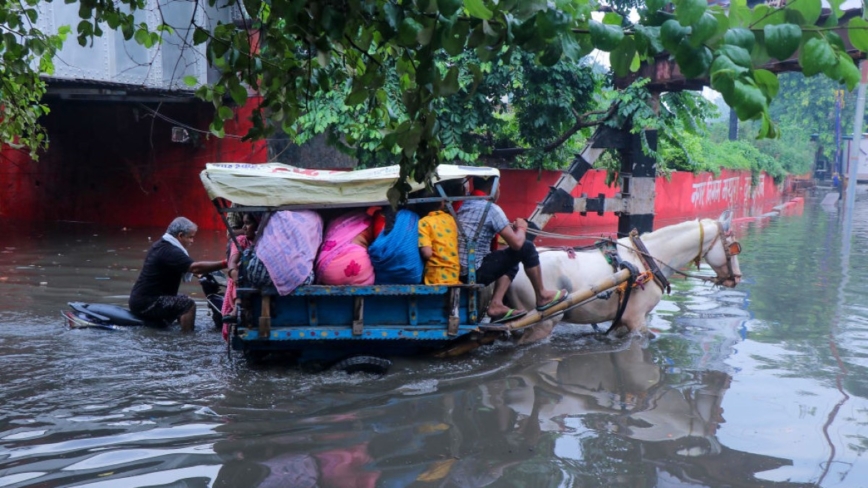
<point x="652" y="272"/>
<point x="730" y="250"/>
<point x="609" y="248"/>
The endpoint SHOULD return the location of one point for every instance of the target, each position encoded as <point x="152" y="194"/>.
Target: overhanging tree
<point x="304" y="49"/>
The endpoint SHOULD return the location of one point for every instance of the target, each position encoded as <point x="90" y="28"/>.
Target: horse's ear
<point x="725" y="220"/>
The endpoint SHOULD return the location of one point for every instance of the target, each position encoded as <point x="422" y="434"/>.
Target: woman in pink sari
<point x="245" y="240"/>
<point x="343" y="258"/>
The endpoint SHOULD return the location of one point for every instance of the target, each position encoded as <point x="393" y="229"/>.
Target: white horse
<point x="672" y="248"/>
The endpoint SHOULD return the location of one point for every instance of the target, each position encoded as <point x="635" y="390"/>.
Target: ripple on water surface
<point x="743" y="380"/>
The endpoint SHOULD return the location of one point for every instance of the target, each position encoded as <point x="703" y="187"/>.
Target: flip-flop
<point x="560" y="296"/>
<point x="510" y="314"/>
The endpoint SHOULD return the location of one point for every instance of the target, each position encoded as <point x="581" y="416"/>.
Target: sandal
<point x="560" y="296"/>
<point x="510" y="314"/>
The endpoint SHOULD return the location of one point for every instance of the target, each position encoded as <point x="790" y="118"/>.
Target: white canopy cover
<point x="276" y="184"/>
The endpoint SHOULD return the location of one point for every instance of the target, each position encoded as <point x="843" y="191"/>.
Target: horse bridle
<point x="729" y="249"/>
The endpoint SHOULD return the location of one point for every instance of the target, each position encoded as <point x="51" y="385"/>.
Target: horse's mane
<point x="664" y="233"/>
<point x="670" y="231"/>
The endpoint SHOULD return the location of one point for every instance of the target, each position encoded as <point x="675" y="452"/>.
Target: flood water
<point x="762" y="385"/>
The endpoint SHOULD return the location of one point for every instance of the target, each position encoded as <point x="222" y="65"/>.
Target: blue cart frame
<point x="326" y="324"/>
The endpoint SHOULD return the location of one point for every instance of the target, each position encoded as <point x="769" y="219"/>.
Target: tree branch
<point x="365" y="53"/>
<point x="581" y="123"/>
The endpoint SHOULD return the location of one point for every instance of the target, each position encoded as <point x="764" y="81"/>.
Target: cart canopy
<point x="276" y="184"/>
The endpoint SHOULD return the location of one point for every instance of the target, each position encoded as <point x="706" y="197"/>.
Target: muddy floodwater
<point x="762" y="385"/>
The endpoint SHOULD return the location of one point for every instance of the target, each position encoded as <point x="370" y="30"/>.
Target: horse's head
<point x="721" y="253"/>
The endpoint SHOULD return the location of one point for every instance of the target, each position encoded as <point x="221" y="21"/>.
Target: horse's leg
<point x="537" y="332"/>
<point x="636" y="314"/>
<point x="626" y="327"/>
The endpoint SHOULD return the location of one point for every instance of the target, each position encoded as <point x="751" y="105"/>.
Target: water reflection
<point x="666" y="422"/>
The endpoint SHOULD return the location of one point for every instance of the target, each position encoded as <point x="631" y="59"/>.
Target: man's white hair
<point x="181" y="225"/>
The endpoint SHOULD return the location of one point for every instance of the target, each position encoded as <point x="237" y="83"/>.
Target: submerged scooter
<point x="114" y="317"/>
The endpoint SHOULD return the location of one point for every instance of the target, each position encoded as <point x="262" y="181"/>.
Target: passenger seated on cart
<point x="395" y="253"/>
<point x="286" y="248"/>
<point x="155" y="293"/>
<point x="438" y="245"/>
<point x="500" y="267"/>
<point x="250" y="222"/>
<point x="343" y="257"/>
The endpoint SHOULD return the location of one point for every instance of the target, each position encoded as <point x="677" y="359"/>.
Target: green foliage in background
<point x="514" y="111"/>
<point x="710" y="150"/>
<point x="402" y="62"/>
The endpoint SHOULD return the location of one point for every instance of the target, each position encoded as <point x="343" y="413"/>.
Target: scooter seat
<point x="112" y="314"/>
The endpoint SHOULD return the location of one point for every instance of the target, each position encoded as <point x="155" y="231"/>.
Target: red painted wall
<point x="114" y="163"/>
<point x="683" y="196"/>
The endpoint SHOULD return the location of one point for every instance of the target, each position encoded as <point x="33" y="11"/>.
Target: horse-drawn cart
<point x="353" y="326"/>
<point x="360" y="327"/>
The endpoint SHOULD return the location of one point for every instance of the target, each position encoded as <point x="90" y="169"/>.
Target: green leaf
<point x="847" y="72"/>
<point x="552" y="53"/>
<point x="857" y="29"/>
<point x="769" y="128"/>
<point x="759" y="55"/>
<point x="688" y="12"/>
<point x="723" y="66"/>
<point x="738" y="55"/>
<point x="622" y="56"/>
<point x="453" y="39"/>
<point x="612" y="18"/>
<point x="392" y="14"/>
<point x="477" y="8"/>
<point x="216" y="128"/>
<point x="749" y="100"/>
<point x="142" y="37"/>
<point x="449" y="85"/>
<point x="816" y="56"/>
<point x="672" y="33"/>
<point x="782" y="40"/>
<point x="703" y="29"/>
<point x="694" y="62"/>
<point x="127" y="30"/>
<point x="723" y="69"/>
<point x="739" y="14"/>
<point x="605" y="37"/>
<point x="835" y="41"/>
<point x="238" y="93"/>
<point x="648" y="40"/>
<point x="810" y="9"/>
<point x="357" y="96"/>
<point x="836" y="8"/>
<point x="740" y="37"/>
<point x="224" y="112"/>
<point x="764" y="15"/>
<point x="448" y="7"/>
<point x="655" y="5"/>
<point x="409" y="139"/>
<point x="408" y="31"/>
<point x="767" y="82"/>
<point x="200" y="35"/>
<point x="190" y="81"/>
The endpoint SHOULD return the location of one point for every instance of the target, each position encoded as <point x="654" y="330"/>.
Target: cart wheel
<point x="254" y="357"/>
<point x="364" y="364"/>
